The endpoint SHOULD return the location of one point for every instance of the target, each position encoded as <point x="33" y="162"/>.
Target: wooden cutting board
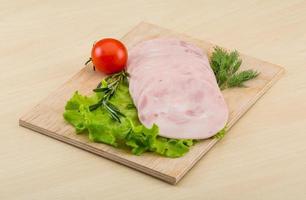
<point x="47" y="118"/>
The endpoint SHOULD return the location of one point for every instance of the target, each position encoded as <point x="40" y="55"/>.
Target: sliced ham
<point x="173" y="86"/>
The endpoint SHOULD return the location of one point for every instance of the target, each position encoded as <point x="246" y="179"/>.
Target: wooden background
<point x="43" y="43"/>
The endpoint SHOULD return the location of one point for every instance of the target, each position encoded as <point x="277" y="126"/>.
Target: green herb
<point x="238" y="79"/>
<point x="226" y="65"/>
<point x="108" y="87"/>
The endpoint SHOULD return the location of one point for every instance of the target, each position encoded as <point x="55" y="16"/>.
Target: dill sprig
<point x="226" y="65"/>
<point x="108" y="86"/>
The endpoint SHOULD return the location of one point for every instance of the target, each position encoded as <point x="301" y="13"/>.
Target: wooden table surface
<point x="43" y="43"/>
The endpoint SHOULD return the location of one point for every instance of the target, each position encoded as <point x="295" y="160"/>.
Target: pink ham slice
<point x="173" y="86"/>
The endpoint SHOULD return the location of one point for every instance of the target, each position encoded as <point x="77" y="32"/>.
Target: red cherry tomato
<point x="109" y="55"/>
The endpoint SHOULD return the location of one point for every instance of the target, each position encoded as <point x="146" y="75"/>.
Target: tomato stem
<point x="88" y="61"/>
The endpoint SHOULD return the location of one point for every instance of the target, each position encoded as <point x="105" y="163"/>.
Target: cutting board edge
<point x="253" y="101"/>
<point x="246" y="107"/>
<point x="157" y="174"/>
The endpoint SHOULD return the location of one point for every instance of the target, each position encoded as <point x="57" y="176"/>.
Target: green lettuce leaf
<point x="129" y="134"/>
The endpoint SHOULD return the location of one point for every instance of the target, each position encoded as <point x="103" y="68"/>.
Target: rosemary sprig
<point x="109" y="86"/>
<point x="225" y="66"/>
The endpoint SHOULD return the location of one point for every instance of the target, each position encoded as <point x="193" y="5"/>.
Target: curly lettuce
<point x="129" y="133"/>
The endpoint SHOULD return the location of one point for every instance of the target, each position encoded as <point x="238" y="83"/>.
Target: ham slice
<point x="173" y="86"/>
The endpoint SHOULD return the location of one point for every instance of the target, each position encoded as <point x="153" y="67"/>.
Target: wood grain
<point x="46" y="117"/>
